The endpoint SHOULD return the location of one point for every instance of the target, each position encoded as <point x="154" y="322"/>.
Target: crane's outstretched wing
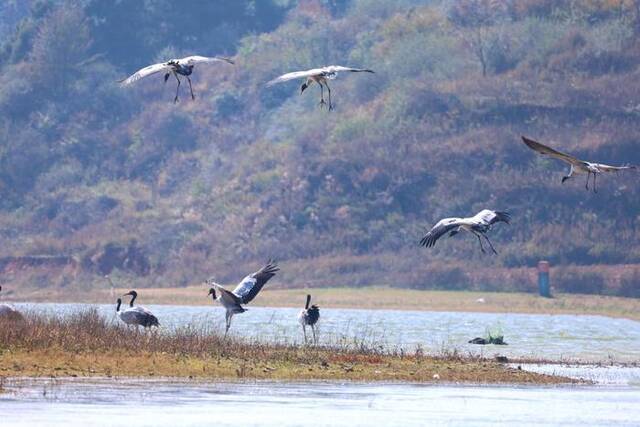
<point x="548" y="151"/>
<point x="296" y="75"/>
<point x="145" y="72"/>
<point x="609" y="168"/>
<point x="490" y="217"/>
<point x="251" y="285"/>
<point x="442" y="227"/>
<point x="197" y="59"/>
<point x="331" y="69"/>
<point x="337" y="68"/>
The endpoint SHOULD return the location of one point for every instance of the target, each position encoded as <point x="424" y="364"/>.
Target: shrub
<point x="444" y="277"/>
<point x="578" y="282"/>
<point x="630" y="286"/>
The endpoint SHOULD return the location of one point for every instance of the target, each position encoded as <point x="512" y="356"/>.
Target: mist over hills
<point x="96" y="179"/>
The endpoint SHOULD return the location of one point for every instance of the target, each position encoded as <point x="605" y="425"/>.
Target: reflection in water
<point x="160" y="403"/>
<point x="568" y="337"/>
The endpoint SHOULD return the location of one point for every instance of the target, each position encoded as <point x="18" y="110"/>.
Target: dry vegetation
<point x="159" y="194"/>
<point x="84" y="344"/>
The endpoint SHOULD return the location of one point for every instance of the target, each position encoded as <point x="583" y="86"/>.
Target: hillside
<point x="96" y="179"/>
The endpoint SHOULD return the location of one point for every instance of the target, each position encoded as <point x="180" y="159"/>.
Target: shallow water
<point x="604" y="375"/>
<point x="566" y="337"/>
<point x="189" y="403"/>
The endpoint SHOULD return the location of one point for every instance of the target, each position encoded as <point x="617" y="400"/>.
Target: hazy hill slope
<point x="125" y="182"/>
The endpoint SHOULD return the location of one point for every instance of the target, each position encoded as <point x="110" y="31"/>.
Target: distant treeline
<point x="245" y="173"/>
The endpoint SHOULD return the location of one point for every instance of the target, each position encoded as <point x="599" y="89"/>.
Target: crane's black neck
<point x="133" y="298"/>
<point x="306" y="306"/>
<point x="119" y="302"/>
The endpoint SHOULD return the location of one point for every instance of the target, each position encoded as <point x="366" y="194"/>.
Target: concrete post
<point x="544" y="287"/>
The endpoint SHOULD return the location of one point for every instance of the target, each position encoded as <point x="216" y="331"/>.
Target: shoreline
<point x="375" y="298"/>
<point x="87" y="345"/>
<point x="324" y="365"/>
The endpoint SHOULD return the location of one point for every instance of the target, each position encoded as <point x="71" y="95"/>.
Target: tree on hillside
<point x="131" y="33"/>
<point x="473" y="19"/>
<point x="59" y="48"/>
<point x="17" y="44"/>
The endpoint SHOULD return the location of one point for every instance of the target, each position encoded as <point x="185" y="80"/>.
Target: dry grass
<point x="84" y="344"/>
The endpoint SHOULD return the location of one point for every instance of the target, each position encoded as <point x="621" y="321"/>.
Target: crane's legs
<point x="304" y="331"/>
<point x="489" y="241"/>
<point x="177" y="88"/>
<point x="322" y="103"/>
<point x="313" y="329"/>
<point x="228" y="323"/>
<point x="594" y="183"/>
<point x="329" y="90"/>
<point x="587" y="185"/>
<point x="191" y="89"/>
<point x="480" y="241"/>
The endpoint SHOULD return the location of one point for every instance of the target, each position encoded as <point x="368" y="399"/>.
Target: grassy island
<point x="85" y="344"/>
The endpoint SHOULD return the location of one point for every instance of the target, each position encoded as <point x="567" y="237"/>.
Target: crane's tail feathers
<point x="152" y="321"/>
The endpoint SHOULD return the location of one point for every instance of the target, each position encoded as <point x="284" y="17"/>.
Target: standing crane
<point x="9" y="312"/>
<point x="138" y="316"/>
<point x="309" y="316"/>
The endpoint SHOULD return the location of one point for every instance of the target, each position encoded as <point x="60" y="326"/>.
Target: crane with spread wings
<point x="244" y="292"/>
<point x="183" y="67"/>
<point x="320" y="76"/>
<point x="478" y="225"/>
<point x="577" y="166"/>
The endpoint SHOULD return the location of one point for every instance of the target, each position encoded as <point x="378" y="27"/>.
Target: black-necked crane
<point x="9" y="312"/>
<point x="182" y="67"/>
<point x="244" y="292"/>
<point x="309" y="316"/>
<point x="320" y="76"/>
<point x="478" y="225"/>
<point x="137" y="316"/>
<point x="577" y="166"/>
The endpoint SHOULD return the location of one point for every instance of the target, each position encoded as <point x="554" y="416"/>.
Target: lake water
<point x="558" y="337"/>
<point x="190" y="403"/>
<point x="614" y="400"/>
